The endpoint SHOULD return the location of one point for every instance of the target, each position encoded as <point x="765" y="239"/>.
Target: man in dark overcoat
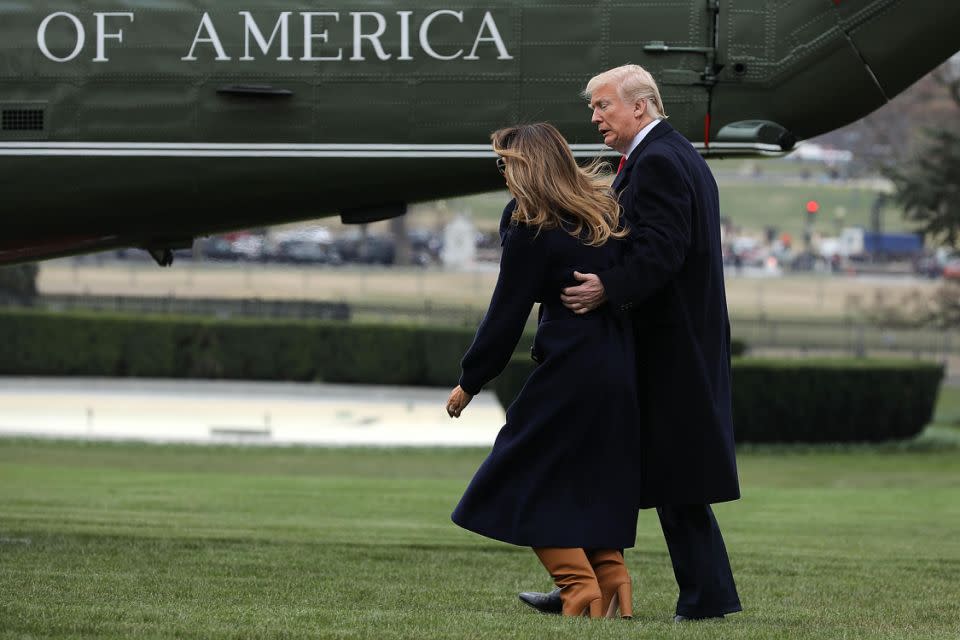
<point x="673" y="284"/>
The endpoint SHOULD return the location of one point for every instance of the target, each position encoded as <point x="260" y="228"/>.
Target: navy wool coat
<point x="672" y="282"/>
<point x="563" y="470"/>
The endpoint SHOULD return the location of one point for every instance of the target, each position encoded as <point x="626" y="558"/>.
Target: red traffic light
<point x="813" y="206"/>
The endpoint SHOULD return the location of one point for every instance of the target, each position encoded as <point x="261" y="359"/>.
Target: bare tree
<point x="928" y="188"/>
<point x="893" y="134"/>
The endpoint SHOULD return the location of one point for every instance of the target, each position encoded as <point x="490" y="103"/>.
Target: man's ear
<point x="640" y="108"/>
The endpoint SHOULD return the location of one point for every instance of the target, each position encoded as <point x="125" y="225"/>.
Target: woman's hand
<point x="458" y="401"/>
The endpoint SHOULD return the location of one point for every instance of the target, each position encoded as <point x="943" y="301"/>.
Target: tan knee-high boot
<point x="614" y="581"/>
<point x="571" y="571"/>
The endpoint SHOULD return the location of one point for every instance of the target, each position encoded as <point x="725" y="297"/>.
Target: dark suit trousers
<point x="700" y="561"/>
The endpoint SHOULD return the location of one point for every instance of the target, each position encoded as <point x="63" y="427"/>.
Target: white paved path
<point x="245" y="412"/>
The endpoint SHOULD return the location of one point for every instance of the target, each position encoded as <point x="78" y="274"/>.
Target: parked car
<point x="306" y="252"/>
<point x="928" y="266"/>
<point x="219" y="249"/>
<point x="951" y="270"/>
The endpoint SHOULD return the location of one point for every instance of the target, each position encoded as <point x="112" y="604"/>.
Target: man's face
<point x="618" y="122"/>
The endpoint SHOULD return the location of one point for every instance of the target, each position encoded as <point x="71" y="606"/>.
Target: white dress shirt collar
<point x="641" y="135"/>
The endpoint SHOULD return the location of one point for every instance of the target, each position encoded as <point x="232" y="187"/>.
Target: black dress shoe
<point x="679" y="618"/>
<point x="543" y="602"/>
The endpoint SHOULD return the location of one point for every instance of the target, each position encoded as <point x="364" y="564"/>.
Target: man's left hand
<point x="586" y="296"/>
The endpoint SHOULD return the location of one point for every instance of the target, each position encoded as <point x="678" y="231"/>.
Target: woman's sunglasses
<point x="501" y="165"/>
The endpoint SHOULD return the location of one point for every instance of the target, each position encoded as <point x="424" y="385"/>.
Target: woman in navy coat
<point x="562" y="476"/>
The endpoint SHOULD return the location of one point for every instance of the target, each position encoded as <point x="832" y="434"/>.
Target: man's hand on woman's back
<point x="586" y="296"/>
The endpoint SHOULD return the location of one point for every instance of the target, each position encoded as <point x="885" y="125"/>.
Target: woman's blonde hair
<point x="551" y="189"/>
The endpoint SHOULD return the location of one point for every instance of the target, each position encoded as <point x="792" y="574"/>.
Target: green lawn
<point x="754" y="207"/>
<point x="751" y="205"/>
<point x="139" y="541"/>
<point x="948" y="407"/>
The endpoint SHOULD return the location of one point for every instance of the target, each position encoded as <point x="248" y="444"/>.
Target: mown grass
<point x="752" y="205"/>
<point x="124" y="540"/>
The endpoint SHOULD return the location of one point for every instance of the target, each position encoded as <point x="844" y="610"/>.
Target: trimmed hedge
<point x="100" y="344"/>
<point x="835" y="400"/>
<point x="97" y="344"/>
<point x="773" y="400"/>
<point x="827" y="400"/>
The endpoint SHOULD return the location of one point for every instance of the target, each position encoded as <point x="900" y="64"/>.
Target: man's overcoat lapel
<point x="623" y="178"/>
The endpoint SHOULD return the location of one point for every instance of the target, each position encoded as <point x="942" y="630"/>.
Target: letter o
<point x="42" y="36"/>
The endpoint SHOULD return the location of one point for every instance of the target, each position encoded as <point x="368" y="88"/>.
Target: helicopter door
<point x="677" y="44"/>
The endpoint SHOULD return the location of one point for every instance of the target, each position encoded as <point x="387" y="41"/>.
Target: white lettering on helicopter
<point x="251" y="29"/>
<point x="368" y="29"/>
<point x="81" y="34"/>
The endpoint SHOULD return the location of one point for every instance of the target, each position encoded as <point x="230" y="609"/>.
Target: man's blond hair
<point x="633" y="83"/>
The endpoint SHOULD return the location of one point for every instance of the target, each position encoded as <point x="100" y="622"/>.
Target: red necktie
<point x="623" y="161"/>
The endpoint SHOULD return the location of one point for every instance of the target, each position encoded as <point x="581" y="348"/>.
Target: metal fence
<point x="216" y="307"/>
<point x="425" y="312"/>
<point x="854" y="337"/>
<point x="851" y="336"/>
